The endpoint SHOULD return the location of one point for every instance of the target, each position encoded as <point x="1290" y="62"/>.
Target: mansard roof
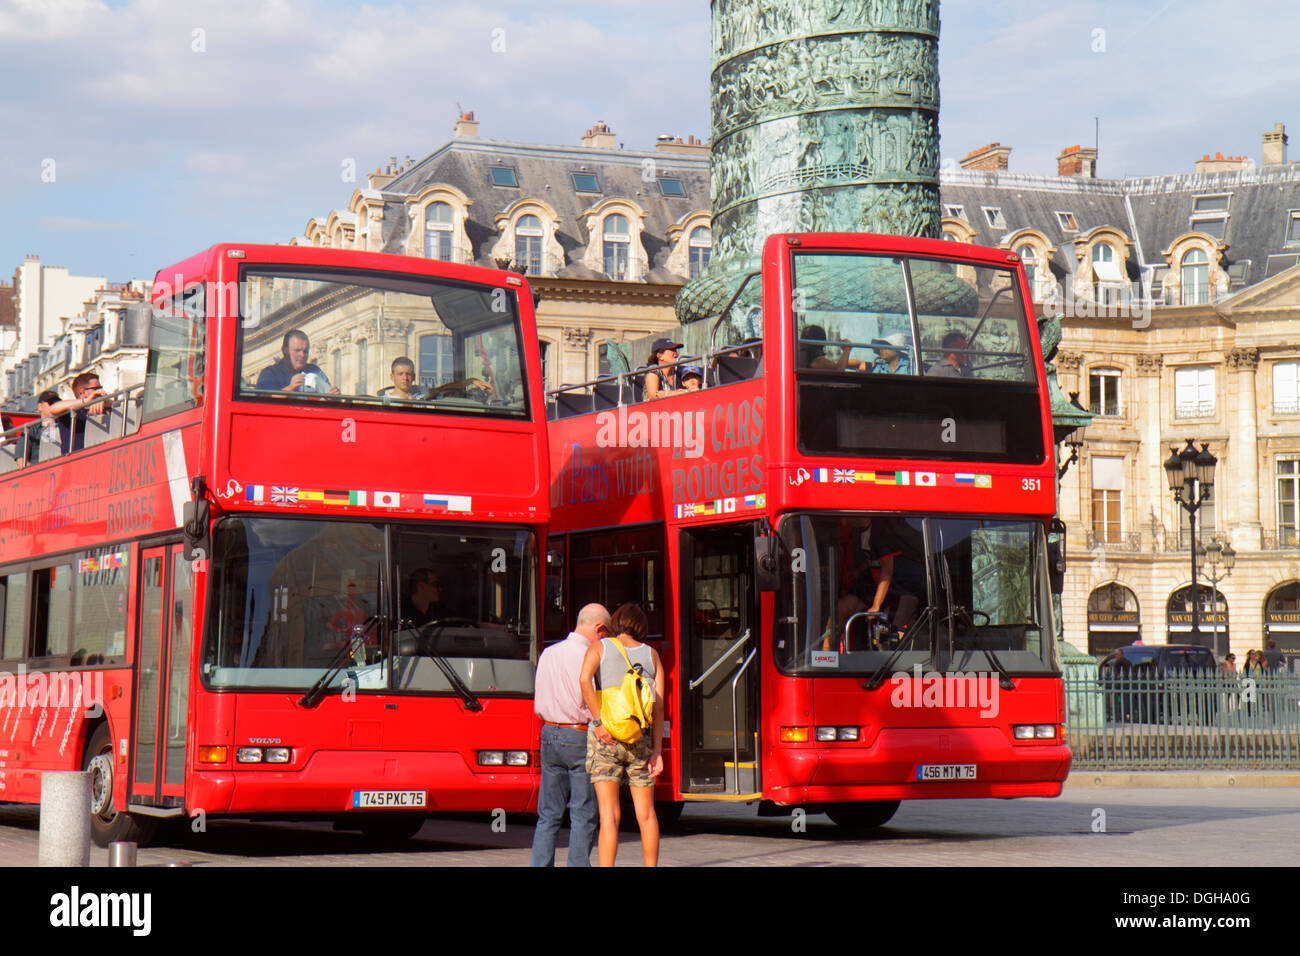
<point x="545" y="173"/>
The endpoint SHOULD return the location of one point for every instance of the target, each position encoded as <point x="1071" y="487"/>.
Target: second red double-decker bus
<point x="294" y="572"/>
<point x="837" y="516"/>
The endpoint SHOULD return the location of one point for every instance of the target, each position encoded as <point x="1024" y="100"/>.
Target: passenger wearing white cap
<point x="891" y="355"/>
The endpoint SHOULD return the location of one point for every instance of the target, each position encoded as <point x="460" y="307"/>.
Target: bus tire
<point x="862" y="816"/>
<point x="392" y="830"/>
<point x="107" y="824"/>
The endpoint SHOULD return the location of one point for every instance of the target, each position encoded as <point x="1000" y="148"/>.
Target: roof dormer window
<point x="504" y="176"/>
<point x="672" y="188"/>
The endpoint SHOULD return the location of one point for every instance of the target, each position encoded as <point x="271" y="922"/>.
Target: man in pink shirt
<point x="557" y="700"/>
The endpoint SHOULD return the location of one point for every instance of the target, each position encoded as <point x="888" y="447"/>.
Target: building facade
<point x="606" y="235"/>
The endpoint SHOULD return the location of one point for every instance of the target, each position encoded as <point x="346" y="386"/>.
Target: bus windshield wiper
<point x="472" y="703"/>
<point x="878" y="678"/>
<point x="959" y="613"/>
<point x="355" y="640"/>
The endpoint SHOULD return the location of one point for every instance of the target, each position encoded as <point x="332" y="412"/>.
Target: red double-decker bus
<point x="295" y="571"/>
<point x="839" y="529"/>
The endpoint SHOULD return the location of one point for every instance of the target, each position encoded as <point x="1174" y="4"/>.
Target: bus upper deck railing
<point x="724" y="366"/>
<point x="42" y="441"/>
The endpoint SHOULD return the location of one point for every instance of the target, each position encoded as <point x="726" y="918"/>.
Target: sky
<point x="138" y="132"/>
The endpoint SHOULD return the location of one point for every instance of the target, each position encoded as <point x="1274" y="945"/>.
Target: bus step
<point x="742" y="778"/>
<point x="707" y="785"/>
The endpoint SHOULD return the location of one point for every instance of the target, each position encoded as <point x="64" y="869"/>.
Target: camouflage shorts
<point x="614" y="761"/>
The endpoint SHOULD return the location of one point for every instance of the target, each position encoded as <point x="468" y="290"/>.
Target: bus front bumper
<point x="330" y="780"/>
<point x="889" y="768"/>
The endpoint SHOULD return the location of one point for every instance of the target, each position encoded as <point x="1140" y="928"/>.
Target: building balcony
<point x="1283" y="539"/>
<point x="1130" y="542"/>
<point x="1185" y="410"/>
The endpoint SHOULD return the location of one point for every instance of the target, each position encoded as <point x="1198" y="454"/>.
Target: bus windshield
<point x="889" y="315"/>
<point x="945" y="590"/>
<point x="899" y="357"/>
<point x="413" y="344"/>
<point x="292" y="593"/>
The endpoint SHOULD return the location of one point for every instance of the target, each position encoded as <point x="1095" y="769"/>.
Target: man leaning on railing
<point x="67" y="417"/>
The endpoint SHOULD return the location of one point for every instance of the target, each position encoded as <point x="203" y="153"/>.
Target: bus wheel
<point x="392" y="830"/>
<point x="107" y="825"/>
<point x="862" y="816"/>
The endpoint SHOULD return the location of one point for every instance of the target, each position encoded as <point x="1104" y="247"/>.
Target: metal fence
<point x="1178" y="721"/>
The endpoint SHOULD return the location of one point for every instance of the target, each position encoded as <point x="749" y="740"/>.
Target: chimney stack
<point x="1221" y="164"/>
<point x="990" y="158"/>
<point x="466" y="126"/>
<point x="1275" y="145"/>
<point x="1077" y="161"/>
<point x="599" y="136"/>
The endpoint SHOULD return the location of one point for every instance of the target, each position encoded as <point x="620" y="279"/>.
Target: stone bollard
<point x="121" y="854"/>
<point x="65" y="819"/>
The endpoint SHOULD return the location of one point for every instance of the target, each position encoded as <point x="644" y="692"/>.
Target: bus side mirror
<point x="765" y="562"/>
<point x="1056" y="557"/>
<point x="198" y="544"/>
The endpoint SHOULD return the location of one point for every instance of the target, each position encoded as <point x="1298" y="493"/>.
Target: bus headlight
<point x="516" y="758"/>
<point x="248" y="755"/>
<point x="491" y="758"/>
<point x="276" y="754"/>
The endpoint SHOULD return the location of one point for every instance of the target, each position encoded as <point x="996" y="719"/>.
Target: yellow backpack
<point x="627" y="711"/>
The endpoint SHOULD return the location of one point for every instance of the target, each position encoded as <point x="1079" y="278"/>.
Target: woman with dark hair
<point x="661" y="382"/>
<point x="814" y="356"/>
<point x="610" y="761"/>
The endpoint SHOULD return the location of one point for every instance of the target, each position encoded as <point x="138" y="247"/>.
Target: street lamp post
<point x="1218" y="554"/>
<point x="1191" y="479"/>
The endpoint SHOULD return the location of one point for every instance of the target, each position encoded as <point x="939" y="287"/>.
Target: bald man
<point x="557" y="700"/>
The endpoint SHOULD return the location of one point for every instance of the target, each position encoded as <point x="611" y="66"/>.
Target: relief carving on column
<point x="1244" y="360"/>
<point x="1150" y="364"/>
<point x="577" y="338"/>
<point x="1069" y="360"/>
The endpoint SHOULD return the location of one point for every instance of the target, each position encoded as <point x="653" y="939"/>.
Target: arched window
<point x="1113" y="618"/>
<point x="617" y="241"/>
<point x="1196" y="277"/>
<point x="1030" y="260"/>
<point x="528" y="245"/>
<point x="701" y="249"/>
<point x="1105" y="271"/>
<point x="1212" y="614"/>
<point x="437" y="231"/>
<point x="1282" y="619"/>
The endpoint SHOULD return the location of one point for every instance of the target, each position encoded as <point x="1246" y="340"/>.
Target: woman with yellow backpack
<point x="623" y="682"/>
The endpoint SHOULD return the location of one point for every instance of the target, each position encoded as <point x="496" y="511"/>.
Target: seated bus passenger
<point x="812" y="355"/>
<point x="402" y="372"/>
<point x="692" y="378"/>
<point x="891" y="355"/>
<point x="660" y="382"/>
<point x="293" y="373"/>
<point x="956" y="357"/>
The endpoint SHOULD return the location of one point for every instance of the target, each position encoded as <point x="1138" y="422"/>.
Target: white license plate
<point x="389" y="799"/>
<point x="945" y="771"/>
